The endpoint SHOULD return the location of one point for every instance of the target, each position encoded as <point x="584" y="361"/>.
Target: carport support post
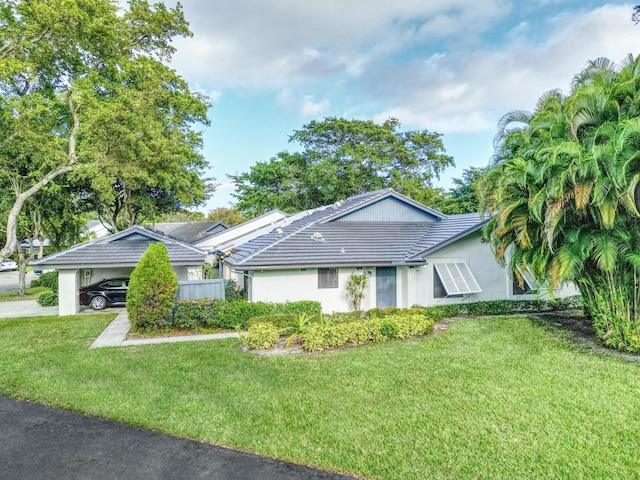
<point x="68" y="299"/>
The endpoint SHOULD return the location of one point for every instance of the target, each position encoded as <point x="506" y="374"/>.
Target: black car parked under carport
<point x="105" y="293"/>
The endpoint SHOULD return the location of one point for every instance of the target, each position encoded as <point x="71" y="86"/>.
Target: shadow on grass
<point x="579" y="332"/>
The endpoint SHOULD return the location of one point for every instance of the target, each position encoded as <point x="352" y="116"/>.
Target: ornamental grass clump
<point x="152" y="291"/>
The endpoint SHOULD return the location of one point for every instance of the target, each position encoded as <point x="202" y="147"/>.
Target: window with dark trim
<point x="327" y="278"/>
<point x="453" y="279"/>
<point x="530" y="285"/>
<point x="438" y="287"/>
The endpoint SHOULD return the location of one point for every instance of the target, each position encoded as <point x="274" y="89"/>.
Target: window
<point x="438" y="287"/>
<point x="327" y="278"/>
<point x="114" y="284"/>
<point x="530" y="285"/>
<point x="453" y="279"/>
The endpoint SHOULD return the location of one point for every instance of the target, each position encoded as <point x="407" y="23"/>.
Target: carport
<point x="114" y="256"/>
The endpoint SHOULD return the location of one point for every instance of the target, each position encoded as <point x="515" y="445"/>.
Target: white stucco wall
<point x="302" y="284"/>
<point x="493" y="278"/>
<point x="68" y="299"/>
<point x="414" y="285"/>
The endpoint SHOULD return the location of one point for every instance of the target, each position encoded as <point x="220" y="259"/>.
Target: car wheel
<point x="98" y="303"/>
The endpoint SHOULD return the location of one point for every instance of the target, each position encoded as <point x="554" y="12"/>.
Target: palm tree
<point x="562" y="194"/>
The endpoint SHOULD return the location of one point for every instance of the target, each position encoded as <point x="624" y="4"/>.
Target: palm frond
<point x="605" y="253"/>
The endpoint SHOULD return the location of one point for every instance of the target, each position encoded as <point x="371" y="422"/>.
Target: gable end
<point x="388" y="210"/>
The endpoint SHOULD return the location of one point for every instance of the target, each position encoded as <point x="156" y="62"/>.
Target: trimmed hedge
<point x="503" y="307"/>
<point x="215" y="313"/>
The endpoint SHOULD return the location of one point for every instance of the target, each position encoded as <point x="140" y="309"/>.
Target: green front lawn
<point x="490" y="398"/>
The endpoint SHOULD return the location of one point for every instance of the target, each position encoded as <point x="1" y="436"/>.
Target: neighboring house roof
<point x="96" y="229"/>
<point x="123" y="249"/>
<point x="242" y="233"/>
<point x="375" y="228"/>
<point x="189" y="232"/>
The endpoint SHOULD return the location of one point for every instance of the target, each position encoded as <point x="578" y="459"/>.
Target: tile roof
<point x="315" y="238"/>
<point x="124" y="249"/>
<point x="189" y="231"/>
<point x="243" y="232"/>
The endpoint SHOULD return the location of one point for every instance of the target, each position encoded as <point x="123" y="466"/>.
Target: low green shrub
<point x="500" y="307"/>
<point x="260" y="336"/>
<point x="232" y="291"/>
<point x="337" y="317"/>
<point x="388" y="330"/>
<point x="215" y="313"/>
<point x="48" y="280"/>
<point x="566" y="303"/>
<point x="194" y="314"/>
<point x="48" y="299"/>
<point x="397" y="324"/>
<point x="299" y="307"/>
<point x="280" y="320"/>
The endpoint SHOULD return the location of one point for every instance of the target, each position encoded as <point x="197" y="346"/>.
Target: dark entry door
<point x="385" y="287"/>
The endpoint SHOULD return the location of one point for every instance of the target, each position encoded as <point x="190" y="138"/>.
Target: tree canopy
<point x="341" y="158"/>
<point x="84" y="88"/>
<point x="228" y="216"/>
<point x="563" y="194"/>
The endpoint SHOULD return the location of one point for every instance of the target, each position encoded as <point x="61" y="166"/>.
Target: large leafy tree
<point x="463" y="197"/>
<point x="229" y="216"/>
<point x="341" y="158"/>
<point x="563" y="194"/>
<point x="83" y="88"/>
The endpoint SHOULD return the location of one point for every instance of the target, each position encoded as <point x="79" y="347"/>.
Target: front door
<point x="385" y="287"/>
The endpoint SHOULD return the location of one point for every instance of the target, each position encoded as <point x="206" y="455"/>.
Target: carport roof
<point x="124" y="249"/>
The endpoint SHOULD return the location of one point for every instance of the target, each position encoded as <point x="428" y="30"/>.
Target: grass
<point x="31" y="294"/>
<point x="493" y="398"/>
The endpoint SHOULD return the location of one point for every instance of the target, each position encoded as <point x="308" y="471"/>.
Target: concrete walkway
<point x="116" y="333"/>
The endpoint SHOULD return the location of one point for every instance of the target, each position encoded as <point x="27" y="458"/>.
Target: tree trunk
<point x="11" y="245"/>
<point x="22" y="273"/>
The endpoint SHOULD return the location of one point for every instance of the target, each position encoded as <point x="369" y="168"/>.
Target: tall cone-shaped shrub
<point x="152" y="290"/>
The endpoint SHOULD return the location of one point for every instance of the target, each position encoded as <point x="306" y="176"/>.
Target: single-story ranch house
<point x="412" y="255"/>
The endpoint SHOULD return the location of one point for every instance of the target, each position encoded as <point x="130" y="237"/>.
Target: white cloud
<point x="272" y="44"/>
<point x="225" y="186"/>
<point x="458" y="91"/>
<point x="303" y="104"/>
<point x="311" y="109"/>
<point x="422" y="62"/>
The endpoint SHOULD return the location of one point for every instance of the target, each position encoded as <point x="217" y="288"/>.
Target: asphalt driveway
<point x="9" y="280"/>
<point x="38" y="442"/>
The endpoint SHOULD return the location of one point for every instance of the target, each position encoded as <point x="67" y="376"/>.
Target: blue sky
<point x="450" y="66"/>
